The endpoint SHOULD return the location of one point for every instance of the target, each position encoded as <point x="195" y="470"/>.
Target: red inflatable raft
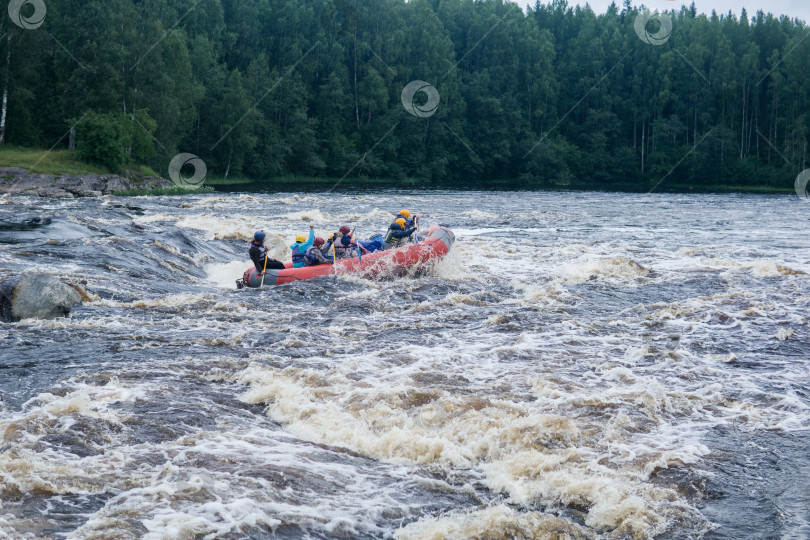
<point x="435" y="244"/>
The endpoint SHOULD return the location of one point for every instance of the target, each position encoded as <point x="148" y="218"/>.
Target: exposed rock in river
<point x="38" y="296"/>
<point x="14" y="180"/>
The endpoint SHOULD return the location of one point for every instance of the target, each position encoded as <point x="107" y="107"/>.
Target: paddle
<point x="266" y="255"/>
<point x="416" y="234"/>
<point x="334" y="256"/>
<point x="357" y="244"/>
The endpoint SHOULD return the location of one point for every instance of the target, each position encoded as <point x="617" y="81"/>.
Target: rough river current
<point x="582" y="365"/>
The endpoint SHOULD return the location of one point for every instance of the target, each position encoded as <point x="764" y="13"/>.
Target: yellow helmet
<point x="400" y="222"/>
<point x="405" y="213"/>
<point x="301" y="238"/>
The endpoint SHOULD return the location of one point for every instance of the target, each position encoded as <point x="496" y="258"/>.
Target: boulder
<point x="38" y="296"/>
<point x="116" y="183"/>
<point x="55" y="193"/>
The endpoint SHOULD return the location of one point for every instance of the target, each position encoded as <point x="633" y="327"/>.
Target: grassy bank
<point x="41" y="161"/>
<point x="56" y="162"/>
<point x="67" y="162"/>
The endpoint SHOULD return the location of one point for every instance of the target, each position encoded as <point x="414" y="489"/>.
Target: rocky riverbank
<point x="16" y="181"/>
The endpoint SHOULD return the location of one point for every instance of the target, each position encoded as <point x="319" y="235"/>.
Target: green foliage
<point x="140" y="130"/>
<point x="553" y="96"/>
<point x="114" y="140"/>
<point x="102" y="139"/>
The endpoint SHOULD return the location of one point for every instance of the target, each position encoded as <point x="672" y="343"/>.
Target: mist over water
<point x="582" y="365"/>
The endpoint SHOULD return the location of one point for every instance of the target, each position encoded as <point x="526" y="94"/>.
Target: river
<point x="582" y="365"/>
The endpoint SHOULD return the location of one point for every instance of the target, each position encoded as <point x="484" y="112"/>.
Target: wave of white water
<point x="577" y="366"/>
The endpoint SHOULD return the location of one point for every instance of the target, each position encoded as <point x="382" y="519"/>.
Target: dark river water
<point x="582" y="365"/>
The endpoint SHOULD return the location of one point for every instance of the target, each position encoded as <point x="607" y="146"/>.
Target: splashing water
<point x="581" y="365"/>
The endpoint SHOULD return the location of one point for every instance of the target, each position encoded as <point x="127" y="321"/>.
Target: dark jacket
<point x="258" y="252"/>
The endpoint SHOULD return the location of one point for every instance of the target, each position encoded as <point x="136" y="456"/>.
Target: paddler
<point x="315" y="254"/>
<point x="375" y="243"/>
<point x="345" y="247"/>
<point x="258" y="254"/>
<point x="406" y="215"/>
<point x="300" y="247"/>
<point x="398" y="233"/>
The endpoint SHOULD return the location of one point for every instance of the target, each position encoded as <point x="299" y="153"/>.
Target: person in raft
<point x="409" y="221"/>
<point x="315" y="255"/>
<point x="375" y="243"/>
<point x="258" y="254"/>
<point x="398" y="233"/>
<point x="300" y="247"/>
<point x="345" y="246"/>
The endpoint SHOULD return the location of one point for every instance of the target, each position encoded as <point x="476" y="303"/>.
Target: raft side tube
<point x="253" y="278"/>
<point x="435" y="244"/>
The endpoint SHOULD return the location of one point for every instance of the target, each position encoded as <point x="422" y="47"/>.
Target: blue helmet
<point x="259" y="236"/>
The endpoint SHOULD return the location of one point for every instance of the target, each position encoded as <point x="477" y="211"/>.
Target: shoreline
<point x="18" y="181"/>
<point x="315" y="184"/>
<point x="69" y="185"/>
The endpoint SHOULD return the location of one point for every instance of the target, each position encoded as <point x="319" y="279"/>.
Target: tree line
<point x="553" y="95"/>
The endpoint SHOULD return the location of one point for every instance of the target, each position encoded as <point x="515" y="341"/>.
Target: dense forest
<point x="553" y="95"/>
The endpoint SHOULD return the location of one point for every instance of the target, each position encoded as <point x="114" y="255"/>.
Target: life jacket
<point x="298" y="258"/>
<point x="261" y="249"/>
<point x="343" y="246"/>
<point x="392" y="238"/>
<point x="309" y="258"/>
<point x="408" y="221"/>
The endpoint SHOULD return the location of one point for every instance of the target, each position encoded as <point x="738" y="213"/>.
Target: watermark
<point x="338" y="17"/>
<point x="169" y="31"/>
<point x="689" y="153"/>
<point x="184" y="160"/>
<point x="253" y="107"/>
<point x="365" y="155"/>
<point x="801" y="184"/>
<point x="423" y="110"/>
<point x="784" y="56"/>
<point x="433" y="415"/>
<point x="344" y="327"/>
<point x="702" y="76"/>
<point x="463" y="142"/>
<point x="45" y="154"/>
<point x="588" y="93"/>
<point x="124" y="407"/>
<point x="199" y="482"/>
<point x="742" y="430"/>
<point x="645" y="22"/>
<point x="477" y="43"/>
<point x="31" y="21"/>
